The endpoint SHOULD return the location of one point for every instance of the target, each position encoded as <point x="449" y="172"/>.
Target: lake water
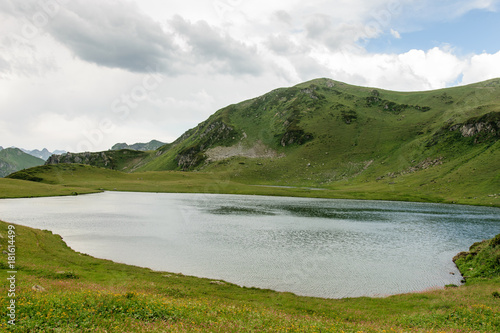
<point x="315" y="247"/>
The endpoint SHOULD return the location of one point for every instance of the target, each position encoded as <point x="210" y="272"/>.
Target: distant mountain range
<point x="44" y="154"/>
<point x="151" y="145"/>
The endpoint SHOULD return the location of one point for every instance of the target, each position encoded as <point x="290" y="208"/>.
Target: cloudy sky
<point x="81" y="75"/>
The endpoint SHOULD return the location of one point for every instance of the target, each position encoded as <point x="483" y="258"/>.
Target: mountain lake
<point x="314" y="247"/>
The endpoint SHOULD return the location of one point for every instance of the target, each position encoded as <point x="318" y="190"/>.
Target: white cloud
<point x="482" y="67"/>
<point x="210" y="45"/>
<point x="435" y="68"/>
<point x="395" y="34"/>
<point x="414" y="70"/>
<point x="69" y="71"/>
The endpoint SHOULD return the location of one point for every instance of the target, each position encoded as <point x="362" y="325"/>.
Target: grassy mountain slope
<point x="329" y="134"/>
<point x="13" y="159"/>
<point x="339" y="129"/>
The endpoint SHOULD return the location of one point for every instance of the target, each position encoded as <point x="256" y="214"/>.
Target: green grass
<point x="84" y="294"/>
<point x="481" y="262"/>
<point x="437" y="184"/>
<point x="15" y="188"/>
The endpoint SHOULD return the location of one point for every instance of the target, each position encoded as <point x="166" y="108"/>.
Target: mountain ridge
<point x="151" y="145"/>
<point x="44" y="154"/>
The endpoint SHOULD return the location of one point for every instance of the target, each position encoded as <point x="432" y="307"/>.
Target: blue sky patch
<point x="475" y="32"/>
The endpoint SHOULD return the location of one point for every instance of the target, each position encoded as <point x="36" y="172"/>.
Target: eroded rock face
<point x="487" y="126"/>
<point x="469" y="130"/>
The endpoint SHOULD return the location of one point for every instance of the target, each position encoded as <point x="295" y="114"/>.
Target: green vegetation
<point x="57" y="179"/>
<point x="59" y="290"/>
<point x="14" y="188"/>
<point x="14" y="159"/>
<point x="353" y="142"/>
<point x="481" y="262"/>
<point x="322" y="139"/>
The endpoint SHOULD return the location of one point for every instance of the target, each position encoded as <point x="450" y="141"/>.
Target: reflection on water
<point x="316" y="247"/>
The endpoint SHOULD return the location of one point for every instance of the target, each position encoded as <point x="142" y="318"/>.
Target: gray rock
<point x="220" y="283"/>
<point x="38" y="288"/>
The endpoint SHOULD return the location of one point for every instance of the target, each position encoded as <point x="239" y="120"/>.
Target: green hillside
<point x="439" y="146"/>
<point x="325" y="133"/>
<point x="13" y="159"/>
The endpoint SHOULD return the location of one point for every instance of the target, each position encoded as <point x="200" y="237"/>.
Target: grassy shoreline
<point x="85" y="294"/>
<point x="73" y="179"/>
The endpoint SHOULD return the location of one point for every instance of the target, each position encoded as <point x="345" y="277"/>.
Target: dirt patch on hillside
<point x="259" y="150"/>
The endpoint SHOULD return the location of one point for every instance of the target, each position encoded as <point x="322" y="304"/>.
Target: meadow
<point x="68" y="179"/>
<point x="60" y="290"/>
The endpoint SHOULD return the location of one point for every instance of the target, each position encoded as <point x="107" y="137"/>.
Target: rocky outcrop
<point x="468" y="130"/>
<point x="125" y="160"/>
<point x="190" y="158"/>
<point x="477" y="130"/>
<point x="81" y="158"/>
<point x="217" y="131"/>
<point x="482" y="128"/>
<point x="376" y="101"/>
